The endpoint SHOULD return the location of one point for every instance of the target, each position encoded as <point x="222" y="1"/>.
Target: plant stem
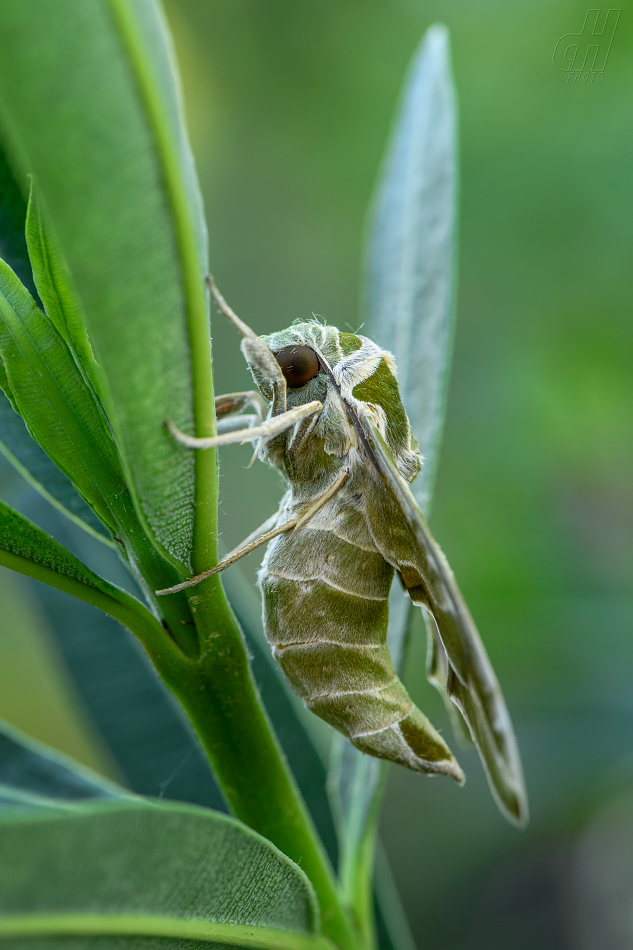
<point x="220" y="697"/>
<point x="357" y="865"/>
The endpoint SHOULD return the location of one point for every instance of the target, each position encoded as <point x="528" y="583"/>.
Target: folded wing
<point x="459" y="661"/>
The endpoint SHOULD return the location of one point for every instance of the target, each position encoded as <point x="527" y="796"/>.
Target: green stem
<point x="220" y="697"/>
<point x="357" y="859"/>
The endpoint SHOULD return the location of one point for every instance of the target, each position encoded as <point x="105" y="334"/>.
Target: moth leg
<point x="255" y="350"/>
<point x="229" y="405"/>
<point x="267" y="430"/>
<point x="253" y="542"/>
<point x="245" y="548"/>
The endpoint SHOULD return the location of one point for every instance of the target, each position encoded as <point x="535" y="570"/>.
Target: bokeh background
<point x="289" y="108"/>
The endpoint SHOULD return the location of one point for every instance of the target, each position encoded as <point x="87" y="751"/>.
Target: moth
<point x="328" y="414"/>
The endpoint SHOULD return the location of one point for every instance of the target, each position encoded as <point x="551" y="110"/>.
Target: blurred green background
<point x="289" y="107"/>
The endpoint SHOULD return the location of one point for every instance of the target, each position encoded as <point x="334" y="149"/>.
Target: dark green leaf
<point x="27" y="549"/>
<point x="15" y="442"/>
<point x="54" y="286"/>
<point x="23" y="452"/>
<point x="12" y="221"/>
<point x="32" y="774"/>
<point x="151" y="869"/>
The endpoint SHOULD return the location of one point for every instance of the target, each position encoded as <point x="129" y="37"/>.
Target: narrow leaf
<point x="12" y="219"/>
<point x="50" y="394"/>
<point x="54" y="286"/>
<point x="32" y="774"/>
<point x="15" y="442"/>
<point x="410" y="261"/>
<point x="142" y="726"/>
<point x="27" y="549"/>
<point x="151" y="869"/>
<point x="408" y="309"/>
<point x="32" y="462"/>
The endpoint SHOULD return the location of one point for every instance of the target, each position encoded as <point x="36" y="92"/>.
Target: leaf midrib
<point x="238" y="935"/>
<point x="204" y="548"/>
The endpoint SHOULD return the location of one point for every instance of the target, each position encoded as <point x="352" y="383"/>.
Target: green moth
<point x="328" y="415"/>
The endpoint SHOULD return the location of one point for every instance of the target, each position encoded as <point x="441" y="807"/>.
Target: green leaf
<point x="151" y="869"/>
<point x="32" y="462"/>
<point x="408" y="309"/>
<point x="63" y="414"/>
<point x="131" y="709"/>
<point x="410" y="255"/>
<point x="12" y="219"/>
<point x="32" y="774"/>
<point x="27" y="549"/>
<point x="52" y="397"/>
<point x="54" y="286"/>
<point x="115" y="176"/>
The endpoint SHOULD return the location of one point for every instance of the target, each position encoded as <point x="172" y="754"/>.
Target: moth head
<point x="302" y="354"/>
<point x="349" y="374"/>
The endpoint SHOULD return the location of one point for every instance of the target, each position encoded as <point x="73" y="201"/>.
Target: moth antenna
<point x="228" y="311"/>
<point x="254" y="348"/>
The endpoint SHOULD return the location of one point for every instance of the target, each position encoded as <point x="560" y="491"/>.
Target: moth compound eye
<point x="299" y="364"/>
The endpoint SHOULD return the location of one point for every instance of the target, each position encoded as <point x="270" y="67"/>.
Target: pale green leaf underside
<point x="408" y="309"/>
<point x="104" y="180"/>
<point x="154" y="869"/>
<point x="410" y="258"/>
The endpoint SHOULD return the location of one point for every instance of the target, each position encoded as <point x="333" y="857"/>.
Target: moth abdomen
<point x="326" y="614"/>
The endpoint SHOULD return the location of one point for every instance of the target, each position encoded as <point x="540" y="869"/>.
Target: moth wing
<point x="458" y="659"/>
<point x="437" y="669"/>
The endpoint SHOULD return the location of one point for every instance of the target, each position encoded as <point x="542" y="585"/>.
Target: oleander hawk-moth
<point x="328" y="415"/>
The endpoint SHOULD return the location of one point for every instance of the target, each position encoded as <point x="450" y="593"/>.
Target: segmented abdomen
<point x="325" y="615"/>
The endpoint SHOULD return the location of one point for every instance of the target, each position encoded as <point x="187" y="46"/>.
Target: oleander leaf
<point x="124" y="871"/>
<point x="27" y="549"/>
<point x="411" y="248"/>
<point x="32" y="775"/>
<point x="32" y="462"/>
<point x="46" y="388"/>
<point x="12" y="220"/>
<point x="408" y="309"/>
<point x="138" y="722"/>
<point x="54" y="286"/>
<point x="115" y="178"/>
<point x="15" y="442"/>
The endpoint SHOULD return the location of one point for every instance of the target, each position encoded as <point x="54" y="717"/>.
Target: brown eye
<point x="299" y="364"/>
